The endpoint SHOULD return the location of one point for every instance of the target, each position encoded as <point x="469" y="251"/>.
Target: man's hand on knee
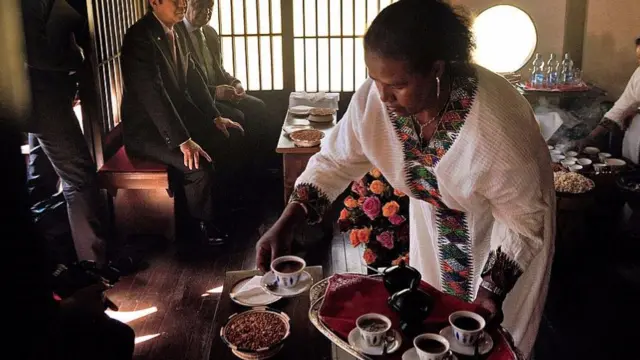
<point x="223" y="124"/>
<point x="192" y="152"/>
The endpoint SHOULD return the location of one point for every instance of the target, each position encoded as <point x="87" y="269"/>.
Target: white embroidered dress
<point x="482" y="193"/>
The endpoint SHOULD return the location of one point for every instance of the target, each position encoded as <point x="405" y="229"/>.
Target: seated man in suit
<point x="231" y="98"/>
<point x="169" y="115"/>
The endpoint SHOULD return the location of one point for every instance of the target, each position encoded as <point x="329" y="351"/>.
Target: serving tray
<point x="317" y="294"/>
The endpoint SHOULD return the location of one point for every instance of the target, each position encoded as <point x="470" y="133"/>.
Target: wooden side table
<point x="295" y="158"/>
<point x="305" y="341"/>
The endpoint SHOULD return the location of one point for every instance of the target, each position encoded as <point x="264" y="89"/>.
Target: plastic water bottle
<point x="551" y="75"/>
<point x="537" y="72"/>
<point x="566" y="70"/>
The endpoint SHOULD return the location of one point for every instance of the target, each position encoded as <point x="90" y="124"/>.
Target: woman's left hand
<point x="491" y="307"/>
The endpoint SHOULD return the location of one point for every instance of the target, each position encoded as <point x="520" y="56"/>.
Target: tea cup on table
<point x="287" y="270"/>
<point x="467" y="327"/>
<point x="373" y="328"/>
<point x="603" y="156"/>
<point x="431" y="347"/>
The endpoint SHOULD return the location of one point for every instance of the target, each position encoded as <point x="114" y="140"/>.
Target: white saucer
<point x="288" y="129"/>
<point x="356" y="341"/>
<point x="412" y="354"/>
<point x="263" y="299"/>
<point x="485" y="345"/>
<point x="300" y="110"/>
<point x="320" y="118"/>
<point x="303" y="285"/>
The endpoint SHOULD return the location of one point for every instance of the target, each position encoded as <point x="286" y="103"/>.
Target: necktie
<point x="172" y="45"/>
<point x="207" y="59"/>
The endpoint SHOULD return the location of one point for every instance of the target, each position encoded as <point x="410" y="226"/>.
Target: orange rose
<point x="350" y="202"/>
<point x="344" y="214"/>
<point x="369" y="257"/>
<point x="398" y="193"/>
<point x="375" y="173"/>
<point x="363" y="235"/>
<point x="376" y="187"/>
<point x="353" y="238"/>
<point x="389" y="209"/>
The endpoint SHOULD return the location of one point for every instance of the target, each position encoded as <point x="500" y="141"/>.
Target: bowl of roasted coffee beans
<point x="256" y="334"/>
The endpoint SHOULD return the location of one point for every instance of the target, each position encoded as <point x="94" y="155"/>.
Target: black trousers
<point x="263" y="131"/>
<point x="202" y="192"/>
<point x="55" y="126"/>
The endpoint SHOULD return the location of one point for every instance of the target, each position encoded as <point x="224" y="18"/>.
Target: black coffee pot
<point x="400" y="277"/>
<point x="410" y="303"/>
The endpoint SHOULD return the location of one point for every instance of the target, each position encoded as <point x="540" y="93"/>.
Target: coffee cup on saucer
<point x="373" y="328"/>
<point x="467" y="326"/>
<point x="287" y="270"/>
<point x="431" y="347"/>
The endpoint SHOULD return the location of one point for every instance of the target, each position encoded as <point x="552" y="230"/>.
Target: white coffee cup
<point x="465" y="335"/>
<point x="603" y="156"/>
<point x="373" y="328"/>
<point x="425" y="352"/>
<point x="284" y="277"/>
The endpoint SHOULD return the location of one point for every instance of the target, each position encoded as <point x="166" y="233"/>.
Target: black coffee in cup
<point x="288" y="266"/>
<point x="431" y="346"/>
<point x="372" y="325"/>
<point x="466" y="323"/>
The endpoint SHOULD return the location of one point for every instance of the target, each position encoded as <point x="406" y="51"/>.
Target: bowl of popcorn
<point x="307" y="137"/>
<point x="572" y="183"/>
<point x="256" y="334"/>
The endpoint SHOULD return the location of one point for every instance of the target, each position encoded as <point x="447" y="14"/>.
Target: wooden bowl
<point x="262" y="353"/>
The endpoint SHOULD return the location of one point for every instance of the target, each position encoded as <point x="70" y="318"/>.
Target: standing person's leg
<point x="42" y="180"/>
<point x="64" y="144"/>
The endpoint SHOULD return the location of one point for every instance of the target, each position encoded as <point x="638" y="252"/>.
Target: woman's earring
<point x="437" y="88"/>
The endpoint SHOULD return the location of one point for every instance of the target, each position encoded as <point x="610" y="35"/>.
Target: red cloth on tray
<point x="349" y="295"/>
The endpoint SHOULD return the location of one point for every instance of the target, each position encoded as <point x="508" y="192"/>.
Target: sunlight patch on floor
<point x="129" y="316"/>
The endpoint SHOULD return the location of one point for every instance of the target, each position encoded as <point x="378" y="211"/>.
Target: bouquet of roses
<point x="376" y="216"/>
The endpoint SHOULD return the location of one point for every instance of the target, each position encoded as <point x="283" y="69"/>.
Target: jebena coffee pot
<point x="410" y="303"/>
<point x="400" y="277"/>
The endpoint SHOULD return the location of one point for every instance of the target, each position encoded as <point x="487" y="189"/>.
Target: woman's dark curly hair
<point x="421" y="32"/>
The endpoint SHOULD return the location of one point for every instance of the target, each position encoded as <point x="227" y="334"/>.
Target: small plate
<point x="300" y="110"/>
<point x="486" y="344"/>
<point x="356" y="341"/>
<point x="288" y="129"/>
<point x="303" y="285"/>
<point x="320" y="118"/>
<point x="590" y="150"/>
<point x="253" y="301"/>
<point x="412" y="354"/>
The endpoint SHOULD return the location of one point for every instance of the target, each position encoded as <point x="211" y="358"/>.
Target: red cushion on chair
<point x="121" y="162"/>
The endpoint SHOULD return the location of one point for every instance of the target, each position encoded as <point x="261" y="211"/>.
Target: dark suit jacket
<point x="222" y="77"/>
<point x="51" y="30"/>
<point x="162" y="101"/>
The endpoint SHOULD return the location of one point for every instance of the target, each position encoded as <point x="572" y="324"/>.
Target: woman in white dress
<point x="464" y="145"/>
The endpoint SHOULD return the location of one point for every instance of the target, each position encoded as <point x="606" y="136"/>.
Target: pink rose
<point x="371" y="207"/>
<point x="396" y="219"/>
<point x="386" y="239"/>
<point x="359" y="188"/>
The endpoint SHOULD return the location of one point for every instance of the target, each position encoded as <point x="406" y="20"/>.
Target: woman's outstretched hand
<point x="277" y="240"/>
